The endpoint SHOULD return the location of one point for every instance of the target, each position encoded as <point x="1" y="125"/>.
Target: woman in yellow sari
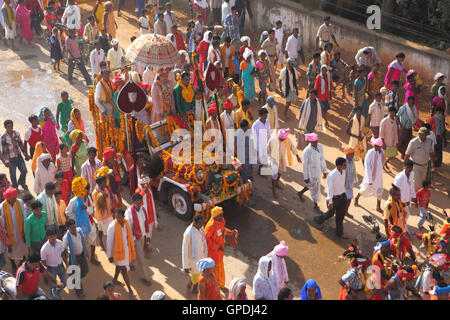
<point x="99" y="11"/>
<point x="40" y="149"/>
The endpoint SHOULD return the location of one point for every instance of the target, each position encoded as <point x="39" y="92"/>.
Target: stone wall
<point x="350" y="36"/>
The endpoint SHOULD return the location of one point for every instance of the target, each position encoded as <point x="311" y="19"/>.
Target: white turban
<point x="114" y="42"/>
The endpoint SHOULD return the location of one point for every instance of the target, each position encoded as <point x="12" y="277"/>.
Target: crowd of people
<point x="78" y="199"/>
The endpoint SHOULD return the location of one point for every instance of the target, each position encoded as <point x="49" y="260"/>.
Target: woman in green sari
<point x="78" y="151"/>
<point x="359" y="93"/>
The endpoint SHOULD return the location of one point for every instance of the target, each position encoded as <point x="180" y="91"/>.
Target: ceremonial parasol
<point x="151" y="50"/>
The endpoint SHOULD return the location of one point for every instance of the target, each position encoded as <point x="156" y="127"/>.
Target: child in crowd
<point x="423" y="198"/>
<point x="50" y="19"/>
<point x="33" y="134"/>
<point x="27" y="201"/>
<point x="144" y="23"/>
<point x="4" y="185"/>
<point x="63" y="185"/>
<point x="313" y="70"/>
<point x="61" y="211"/>
<point x="56" y="49"/>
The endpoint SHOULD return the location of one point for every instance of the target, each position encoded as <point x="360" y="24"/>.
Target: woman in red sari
<point x="202" y="49"/>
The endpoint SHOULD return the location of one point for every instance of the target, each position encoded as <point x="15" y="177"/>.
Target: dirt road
<point x="27" y="83"/>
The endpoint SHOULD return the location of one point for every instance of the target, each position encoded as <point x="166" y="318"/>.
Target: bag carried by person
<point x="301" y="141"/>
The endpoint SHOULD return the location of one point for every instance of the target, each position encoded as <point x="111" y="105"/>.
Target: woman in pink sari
<point x="395" y="69"/>
<point x="49" y="136"/>
<point x="412" y="90"/>
<point x="24" y="22"/>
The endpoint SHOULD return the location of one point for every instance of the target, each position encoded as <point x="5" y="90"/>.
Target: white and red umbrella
<point x="152" y="50"/>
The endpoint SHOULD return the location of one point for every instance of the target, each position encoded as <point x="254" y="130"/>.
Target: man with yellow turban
<point x="78" y="210"/>
<point x="215" y="240"/>
<point x="11" y="212"/>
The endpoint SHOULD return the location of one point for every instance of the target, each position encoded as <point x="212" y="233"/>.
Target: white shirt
<point x="261" y="134"/>
<point x="361" y="59"/>
<point x="52" y="254"/>
<point x="336" y="184"/>
<point x="292" y="47"/>
<point x="87" y="172"/>
<point x="186" y="250"/>
<point x="95" y="58"/>
<point x="226" y="9"/>
<point x="324" y="33"/>
<point x="141" y="217"/>
<point x="71" y="17"/>
<point x="71" y="208"/>
<point x="406" y="186"/>
<point x="168" y="19"/>
<point x="115" y="58"/>
<point x="76" y="241"/>
<point x="102" y="106"/>
<point x="42" y="176"/>
<point x="227" y="120"/>
<point x="279" y="35"/>
<point x="376" y="113"/>
<point x="145" y="25"/>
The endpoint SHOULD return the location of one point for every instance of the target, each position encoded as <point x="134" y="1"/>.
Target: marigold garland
<point x="187" y="93"/>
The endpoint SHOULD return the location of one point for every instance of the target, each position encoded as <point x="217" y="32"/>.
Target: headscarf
<point x="235" y="287"/>
<point x="260" y="52"/>
<point x="249" y="53"/>
<point x="377" y="142"/>
<point x="43" y="157"/>
<point x="171" y="37"/>
<point x="262" y="274"/>
<point x="227" y="104"/>
<point x="212" y="108"/>
<point x="10" y="193"/>
<point x="74" y="135"/>
<point x="246" y="38"/>
<point x="283" y="133"/>
<point x="311" y="137"/>
<point x="440" y="94"/>
<point x="349" y="150"/>
<point x="41" y="115"/>
<point x="206" y="36"/>
<point x="135" y="77"/>
<point x="158" y="295"/>
<point x="271" y="100"/>
<point x="108" y="153"/>
<point x="291" y="60"/>
<point x="185" y="54"/>
<point x="216" y="211"/>
<point x="205" y="263"/>
<point x="438" y="75"/>
<point x="108" y="4"/>
<point x="261" y="38"/>
<point x="309" y="285"/>
<point x="281" y="249"/>
<point x="78" y="124"/>
<point x="39" y="149"/>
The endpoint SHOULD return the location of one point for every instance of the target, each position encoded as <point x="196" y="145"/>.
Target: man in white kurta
<point x="405" y="182"/>
<point x="261" y="135"/>
<point x="17" y="239"/>
<point x="194" y="249"/>
<point x="140" y="237"/>
<point x="372" y="184"/>
<point x="280" y="149"/>
<point x="45" y="173"/>
<point x="313" y="167"/>
<point x="123" y="265"/>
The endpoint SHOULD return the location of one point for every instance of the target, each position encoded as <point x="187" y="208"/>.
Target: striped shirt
<point x="11" y="146"/>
